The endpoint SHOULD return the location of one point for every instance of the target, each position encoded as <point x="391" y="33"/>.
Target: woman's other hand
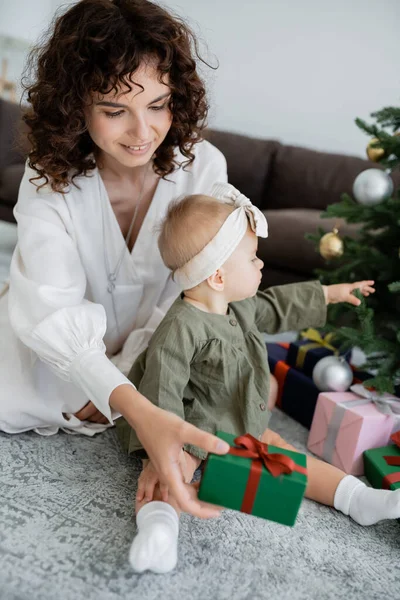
<point x="90" y="413"/>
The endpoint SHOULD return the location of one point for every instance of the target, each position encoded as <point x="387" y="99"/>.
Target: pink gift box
<point x="341" y="432"/>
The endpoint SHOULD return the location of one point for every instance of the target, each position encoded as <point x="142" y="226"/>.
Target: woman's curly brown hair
<point x="95" y="47"/>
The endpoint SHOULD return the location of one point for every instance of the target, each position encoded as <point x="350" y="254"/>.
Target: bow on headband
<point x="230" y="195"/>
<point x="227" y="239"/>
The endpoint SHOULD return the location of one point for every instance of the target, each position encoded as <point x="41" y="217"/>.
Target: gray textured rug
<point x="66" y="526"/>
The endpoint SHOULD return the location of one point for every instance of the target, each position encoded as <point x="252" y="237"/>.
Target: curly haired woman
<point x="115" y="120"/>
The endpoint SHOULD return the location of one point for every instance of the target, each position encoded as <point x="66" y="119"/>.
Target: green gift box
<point x="259" y="479"/>
<point x="382" y="465"/>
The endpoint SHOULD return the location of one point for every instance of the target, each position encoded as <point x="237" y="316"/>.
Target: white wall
<point x="25" y="18"/>
<point x="299" y="71"/>
<point x="21" y="23"/>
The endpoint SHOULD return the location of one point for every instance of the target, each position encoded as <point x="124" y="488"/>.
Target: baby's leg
<point x="329" y="485"/>
<point x="273" y="392"/>
<point x="155" y="546"/>
<point x="157" y="496"/>
<point x="323" y="478"/>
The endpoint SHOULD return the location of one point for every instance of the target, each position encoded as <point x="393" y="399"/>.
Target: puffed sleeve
<point x="162" y="374"/>
<point x="47" y="308"/>
<point x="166" y="372"/>
<point x="292" y="306"/>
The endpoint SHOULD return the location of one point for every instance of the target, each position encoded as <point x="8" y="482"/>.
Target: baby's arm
<point x="167" y="365"/>
<point x="301" y="305"/>
<point x="343" y="292"/>
<point x="166" y="374"/>
<point x="292" y="306"/>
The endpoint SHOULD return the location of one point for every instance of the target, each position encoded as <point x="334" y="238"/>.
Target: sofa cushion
<point x="286" y="246"/>
<point x="11" y="125"/>
<point x="249" y="161"/>
<point x="10" y="178"/>
<point x="311" y="179"/>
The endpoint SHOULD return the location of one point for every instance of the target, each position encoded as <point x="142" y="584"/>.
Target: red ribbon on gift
<point x="395" y="437"/>
<point x="277" y="464"/>
<point x="280" y="371"/>
<point x="393" y="461"/>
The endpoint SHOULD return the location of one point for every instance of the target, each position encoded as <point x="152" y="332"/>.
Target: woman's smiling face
<point x="129" y="126"/>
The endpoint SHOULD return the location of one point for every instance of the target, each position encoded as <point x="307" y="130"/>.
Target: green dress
<point x="212" y="370"/>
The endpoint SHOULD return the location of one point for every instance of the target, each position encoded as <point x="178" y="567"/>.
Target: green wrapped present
<point x="256" y="478"/>
<point x="382" y="465"/>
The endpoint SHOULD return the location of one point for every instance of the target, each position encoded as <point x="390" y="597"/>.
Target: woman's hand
<point x="342" y="292"/>
<point x="163" y="436"/>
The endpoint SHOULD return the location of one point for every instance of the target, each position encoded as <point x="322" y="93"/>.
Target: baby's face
<point x="243" y="269"/>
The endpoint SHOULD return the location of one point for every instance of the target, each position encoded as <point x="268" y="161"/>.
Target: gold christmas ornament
<point x="374" y="154"/>
<point x="331" y="245"/>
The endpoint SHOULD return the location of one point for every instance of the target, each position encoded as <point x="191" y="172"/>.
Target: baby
<point x="207" y="361"/>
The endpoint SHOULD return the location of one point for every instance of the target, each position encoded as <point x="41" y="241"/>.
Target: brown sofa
<point x="292" y="185"/>
<point x="13" y="148"/>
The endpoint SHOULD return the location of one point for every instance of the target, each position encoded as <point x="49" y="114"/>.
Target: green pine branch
<point x="395" y="288"/>
<point x="372" y="253"/>
<point x="388" y="117"/>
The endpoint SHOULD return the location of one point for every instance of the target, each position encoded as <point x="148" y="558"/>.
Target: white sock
<point x="155" y="546"/>
<point x="364" y="504"/>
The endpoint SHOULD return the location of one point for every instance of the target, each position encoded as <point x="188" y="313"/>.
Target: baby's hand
<point x="342" y="292"/>
<point x="149" y="478"/>
<point x="147" y="483"/>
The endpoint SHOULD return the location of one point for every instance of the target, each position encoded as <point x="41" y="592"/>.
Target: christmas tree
<point x="374" y="254"/>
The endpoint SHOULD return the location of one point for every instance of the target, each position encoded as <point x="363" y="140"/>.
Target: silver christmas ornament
<point x="372" y="187"/>
<point x="332" y="374"/>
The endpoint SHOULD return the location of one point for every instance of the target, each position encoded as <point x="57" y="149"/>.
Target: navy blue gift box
<point x="304" y="354"/>
<point x="298" y="394"/>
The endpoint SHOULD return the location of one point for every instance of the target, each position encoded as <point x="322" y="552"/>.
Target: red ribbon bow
<point x="393" y="461"/>
<point x="277" y="464"/>
<point x="396" y="438"/>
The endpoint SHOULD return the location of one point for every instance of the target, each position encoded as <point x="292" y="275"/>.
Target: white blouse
<point x="58" y="329"/>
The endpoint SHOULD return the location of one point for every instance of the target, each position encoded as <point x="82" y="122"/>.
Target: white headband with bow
<point x="220" y="248"/>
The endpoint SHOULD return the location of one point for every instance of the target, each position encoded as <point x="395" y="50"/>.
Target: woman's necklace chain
<point x="112" y="275"/>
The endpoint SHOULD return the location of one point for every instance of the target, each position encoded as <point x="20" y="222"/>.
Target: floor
<point x="66" y="525"/>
